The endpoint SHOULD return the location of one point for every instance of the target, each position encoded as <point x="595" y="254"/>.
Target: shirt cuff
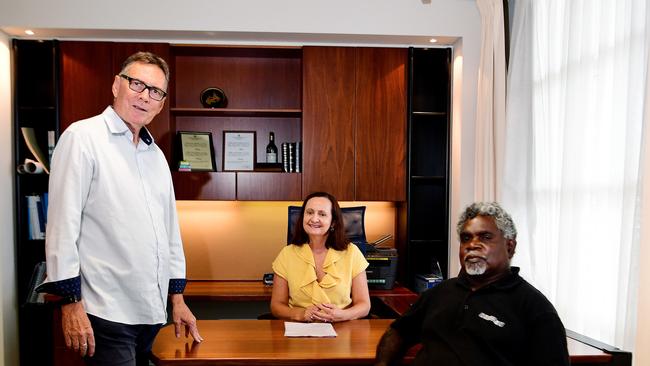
<point x="177" y="285"/>
<point x="63" y="288"/>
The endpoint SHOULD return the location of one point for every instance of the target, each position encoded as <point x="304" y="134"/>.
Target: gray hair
<point x="147" y="58"/>
<point x="501" y="218"/>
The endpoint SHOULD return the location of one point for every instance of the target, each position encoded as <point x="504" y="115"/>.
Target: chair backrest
<point x="353" y="222"/>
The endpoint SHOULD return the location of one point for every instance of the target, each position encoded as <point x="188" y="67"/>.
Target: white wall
<point x="373" y="17"/>
<point x="8" y="310"/>
<point x="364" y="22"/>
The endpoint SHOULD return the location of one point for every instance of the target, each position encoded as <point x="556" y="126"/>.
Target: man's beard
<point x="476" y="268"/>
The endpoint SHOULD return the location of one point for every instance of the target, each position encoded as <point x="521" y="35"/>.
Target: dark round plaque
<point x="213" y="98"/>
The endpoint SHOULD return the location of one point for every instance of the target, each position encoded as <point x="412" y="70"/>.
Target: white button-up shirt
<point x="112" y="220"/>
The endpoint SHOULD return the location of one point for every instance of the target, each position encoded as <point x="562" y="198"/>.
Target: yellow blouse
<point x="296" y="265"/>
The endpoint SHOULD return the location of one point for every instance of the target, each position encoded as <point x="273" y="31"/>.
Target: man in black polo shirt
<point x="488" y="315"/>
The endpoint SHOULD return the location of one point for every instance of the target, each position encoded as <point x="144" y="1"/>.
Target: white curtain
<point x="572" y="177"/>
<point x="491" y="101"/>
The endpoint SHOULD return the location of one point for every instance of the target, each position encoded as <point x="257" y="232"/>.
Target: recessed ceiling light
<point x="433" y="40"/>
<point x="29" y="32"/>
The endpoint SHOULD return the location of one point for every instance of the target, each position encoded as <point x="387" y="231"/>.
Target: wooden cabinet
<point x="262" y="86"/>
<point x="380" y="164"/>
<point x="354" y="122"/>
<point x="346" y="106"/>
<point x="87" y="72"/>
<point x="328" y="121"/>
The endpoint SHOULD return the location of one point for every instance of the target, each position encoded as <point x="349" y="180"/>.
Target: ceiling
<point x="257" y="38"/>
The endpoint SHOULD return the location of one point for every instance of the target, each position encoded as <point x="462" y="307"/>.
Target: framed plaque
<point x="239" y="151"/>
<point x="196" y="149"/>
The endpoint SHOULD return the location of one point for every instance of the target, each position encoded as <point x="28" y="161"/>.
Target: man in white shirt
<point x="113" y="246"/>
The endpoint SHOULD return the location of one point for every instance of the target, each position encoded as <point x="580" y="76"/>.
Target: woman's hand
<point x="329" y="313"/>
<point x="310" y="314"/>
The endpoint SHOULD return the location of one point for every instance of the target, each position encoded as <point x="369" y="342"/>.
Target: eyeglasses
<point x="139" y="86"/>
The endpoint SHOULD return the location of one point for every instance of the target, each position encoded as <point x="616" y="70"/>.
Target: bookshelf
<point x="36" y="107"/>
<point x="425" y="217"/>
<point x="262" y="85"/>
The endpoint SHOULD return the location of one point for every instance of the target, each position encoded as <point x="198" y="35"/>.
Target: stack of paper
<point x="292" y="329"/>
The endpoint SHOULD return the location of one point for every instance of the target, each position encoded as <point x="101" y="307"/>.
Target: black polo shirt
<point x="508" y="322"/>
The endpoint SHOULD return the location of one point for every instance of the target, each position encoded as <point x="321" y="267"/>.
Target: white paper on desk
<point x="292" y="329"/>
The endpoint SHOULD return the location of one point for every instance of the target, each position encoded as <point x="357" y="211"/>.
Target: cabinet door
<point x="86" y="79"/>
<point x="87" y="72"/>
<point x="328" y="121"/>
<point x="380" y="164"/>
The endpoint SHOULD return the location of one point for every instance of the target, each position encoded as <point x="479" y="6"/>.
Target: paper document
<point x="292" y="329"/>
<point x="30" y="139"/>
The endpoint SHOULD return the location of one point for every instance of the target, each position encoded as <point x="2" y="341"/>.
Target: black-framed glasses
<point x="139" y="86"/>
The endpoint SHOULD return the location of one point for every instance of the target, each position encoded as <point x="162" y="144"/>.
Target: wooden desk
<point x="398" y="299"/>
<point x="262" y="342"/>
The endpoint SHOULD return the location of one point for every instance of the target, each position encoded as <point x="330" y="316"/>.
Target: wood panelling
<point x="86" y="78"/>
<point x="249" y="80"/>
<point x="346" y="105"/>
<point x="87" y="72"/>
<point x="204" y="186"/>
<point x="354" y="122"/>
<point x="328" y="121"/>
<point x="380" y="164"/>
<point x="268" y="186"/>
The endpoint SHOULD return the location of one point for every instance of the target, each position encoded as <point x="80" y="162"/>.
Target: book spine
<point x="41" y="217"/>
<point x="36" y="217"/>
<point x="285" y="156"/>
<point x="51" y="141"/>
<point x="298" y="158"/>
<point x="292" y="157"/>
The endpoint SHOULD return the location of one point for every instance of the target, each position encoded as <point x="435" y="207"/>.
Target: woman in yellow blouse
<point x="320" y="276"/>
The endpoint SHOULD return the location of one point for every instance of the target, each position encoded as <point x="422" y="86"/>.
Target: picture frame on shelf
<point x="196" y="151"/>
<point x="239" y="151"/>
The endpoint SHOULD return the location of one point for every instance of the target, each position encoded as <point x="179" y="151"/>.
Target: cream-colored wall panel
<point x="233" y="240"/>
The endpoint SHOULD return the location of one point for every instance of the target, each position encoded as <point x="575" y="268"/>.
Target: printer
<point x="382" y="265"/>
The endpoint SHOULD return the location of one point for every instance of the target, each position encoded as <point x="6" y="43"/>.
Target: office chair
<point x="353" y="222"/>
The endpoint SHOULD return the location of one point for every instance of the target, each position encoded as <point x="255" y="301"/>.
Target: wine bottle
<point x="271" y="150"/>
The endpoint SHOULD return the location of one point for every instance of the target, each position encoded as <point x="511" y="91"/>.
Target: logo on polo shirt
<point x="493" y="319"/>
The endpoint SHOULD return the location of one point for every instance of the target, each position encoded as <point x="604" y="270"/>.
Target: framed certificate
<point x="196" y="149"/>
<point x="238" y="151"/>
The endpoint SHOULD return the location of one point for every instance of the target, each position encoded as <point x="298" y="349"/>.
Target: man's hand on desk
<point x="182" y="316"/>
<point x="77" y="331"/>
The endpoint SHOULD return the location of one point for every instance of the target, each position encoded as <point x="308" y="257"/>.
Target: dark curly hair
<point x="502" y="219"/>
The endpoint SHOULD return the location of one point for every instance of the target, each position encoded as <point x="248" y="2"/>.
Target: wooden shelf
<point x="425" y="241"/>
<point x="204" y="185"/>
<point x="423" y="113"/>
<point x="428" y="178"/>
<point x="271" y="186"/>
<point x="37" y="108"/>
<point x="399" y="298"/>
<point x="246" y="186"/>
<point x="263" y="88"/>
<point x="236" y="112"/>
